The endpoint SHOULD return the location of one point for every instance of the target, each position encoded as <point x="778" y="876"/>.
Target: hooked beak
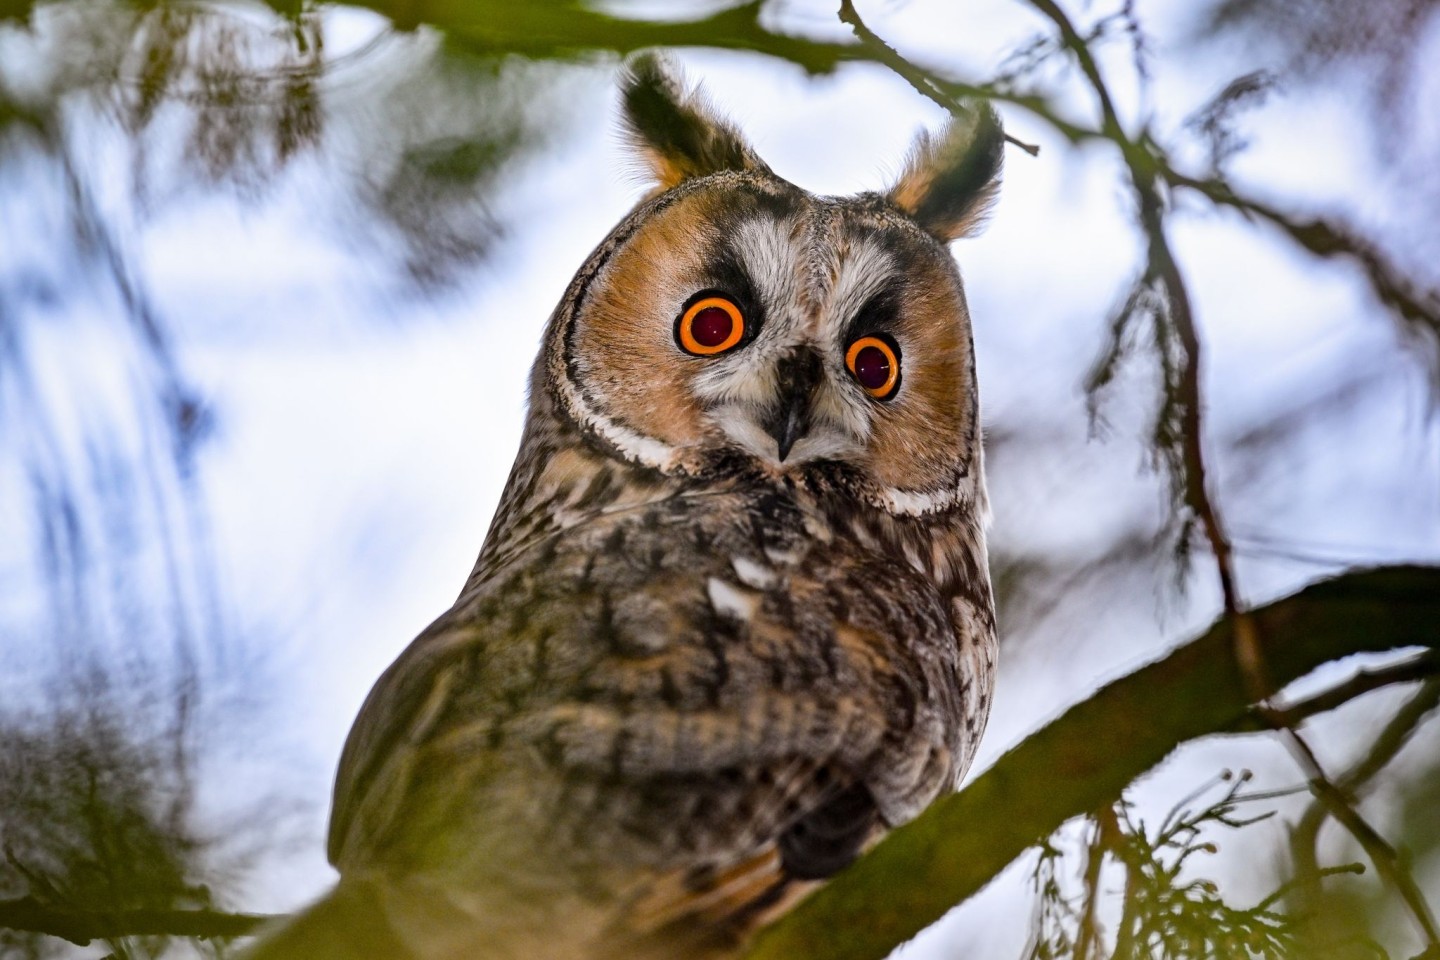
<point x="799" y="374"/>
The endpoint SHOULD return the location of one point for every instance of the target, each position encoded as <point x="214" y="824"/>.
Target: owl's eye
<point x="710" y="325"/>
<point x="875" y="364"/>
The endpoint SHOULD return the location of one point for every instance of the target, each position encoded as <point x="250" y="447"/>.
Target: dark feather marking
<point x="879" y="314"/>
<point x="830" y="836"/>
<point x="679" y="127"/>
<point x="956" y="176"/>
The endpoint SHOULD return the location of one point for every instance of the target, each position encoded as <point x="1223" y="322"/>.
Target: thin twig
<point x="1384" y="856"/>
<point x="1418" y="667"/>
<point x="1417" y="306"/>
<point x="1078" y="46"/>
<point x="924" y="83"/>
<point x="1394" y="737"/>
<point x="1304" y="838"/>
<point x="1164" y="266"/>
<point x="1356" y="869"/>
<point x="1106" y="829"/>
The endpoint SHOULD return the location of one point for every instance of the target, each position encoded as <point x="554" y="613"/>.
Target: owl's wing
<point x="721" y="713"/>
<point x="379" y="756"/>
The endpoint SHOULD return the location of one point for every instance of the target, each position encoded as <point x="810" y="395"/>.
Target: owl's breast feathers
<point x="673" y="698"/>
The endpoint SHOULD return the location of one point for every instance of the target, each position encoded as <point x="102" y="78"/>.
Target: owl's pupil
<point x="872" y="368"/>
<point x="711" y="327"/>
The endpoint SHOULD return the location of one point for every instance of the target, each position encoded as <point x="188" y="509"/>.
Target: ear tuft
<point x="676" y="132"/>
<point x="950" y="182"/>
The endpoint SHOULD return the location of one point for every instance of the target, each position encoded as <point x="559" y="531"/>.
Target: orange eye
<point x="875" y="363"/>
<point x="709" y="326"/>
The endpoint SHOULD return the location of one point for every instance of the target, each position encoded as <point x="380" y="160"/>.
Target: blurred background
<point x="272" y="278"/>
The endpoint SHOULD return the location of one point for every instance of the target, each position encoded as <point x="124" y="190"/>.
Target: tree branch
<point x="1418" y="667"/>
<point x="29" y="915"/>
<point x="1385" y="857"/>
<point x="564" y="29"/>
<point x="924" y="83"/>
<point x="1090" y="754"/>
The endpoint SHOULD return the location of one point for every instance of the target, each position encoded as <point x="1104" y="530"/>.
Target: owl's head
<point x="734" y="317"/>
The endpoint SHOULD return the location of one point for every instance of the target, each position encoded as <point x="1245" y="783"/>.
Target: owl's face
<point x="733" y="315"/>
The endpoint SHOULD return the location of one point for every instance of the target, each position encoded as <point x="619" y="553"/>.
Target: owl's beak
<point x="798" y="374"/>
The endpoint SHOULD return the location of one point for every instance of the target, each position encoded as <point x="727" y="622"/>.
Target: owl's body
<point x="733" y="617"/>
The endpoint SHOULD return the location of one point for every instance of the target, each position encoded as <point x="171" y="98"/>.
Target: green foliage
<point x="98" y="795"/>
<point x="1166" y="911"/>
<point x="1168" y="916"/>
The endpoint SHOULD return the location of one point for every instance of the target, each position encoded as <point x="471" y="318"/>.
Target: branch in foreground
<point x="1092" y="753"/>
<point x="29" y="915"/>
<point x="574" y="29"/>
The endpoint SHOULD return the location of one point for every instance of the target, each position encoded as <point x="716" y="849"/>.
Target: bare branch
<point x="1394" y="737"/>
<point x="1080" y="48"/>
<point x="572" y="29"/>
<point x="1381" y="853"/>
<point x="1419" y="667"/>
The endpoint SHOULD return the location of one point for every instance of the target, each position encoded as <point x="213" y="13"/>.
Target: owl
<point x="733" y="618"/>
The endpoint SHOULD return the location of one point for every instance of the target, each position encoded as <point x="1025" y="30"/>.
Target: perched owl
<point x="733" y="618"/>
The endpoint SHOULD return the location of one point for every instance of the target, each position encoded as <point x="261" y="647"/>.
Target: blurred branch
<point x="1089" y="755"/>
<point x="1395" y="735"/>
<point x="567" y="28"/>
<point x="1386" y="858"/>
<point x="80" y="927"/>
<point x="1104" y="829"/>
<point x="1183" y="388"/>
<point x="1071" y="40"/>
<point x="1418" y="307"/>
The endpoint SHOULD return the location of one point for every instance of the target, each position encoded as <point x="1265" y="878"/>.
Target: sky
<point x="361" y="434"/>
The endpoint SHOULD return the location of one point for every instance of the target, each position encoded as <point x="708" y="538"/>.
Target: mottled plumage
<point x="694" y="670"/>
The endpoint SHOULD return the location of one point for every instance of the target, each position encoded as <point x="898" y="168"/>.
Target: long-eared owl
<point x="733" y="618"/>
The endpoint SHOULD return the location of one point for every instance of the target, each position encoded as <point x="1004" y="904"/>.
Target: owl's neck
<point x="563" y="479"/>
<point x="559" y="480"/>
